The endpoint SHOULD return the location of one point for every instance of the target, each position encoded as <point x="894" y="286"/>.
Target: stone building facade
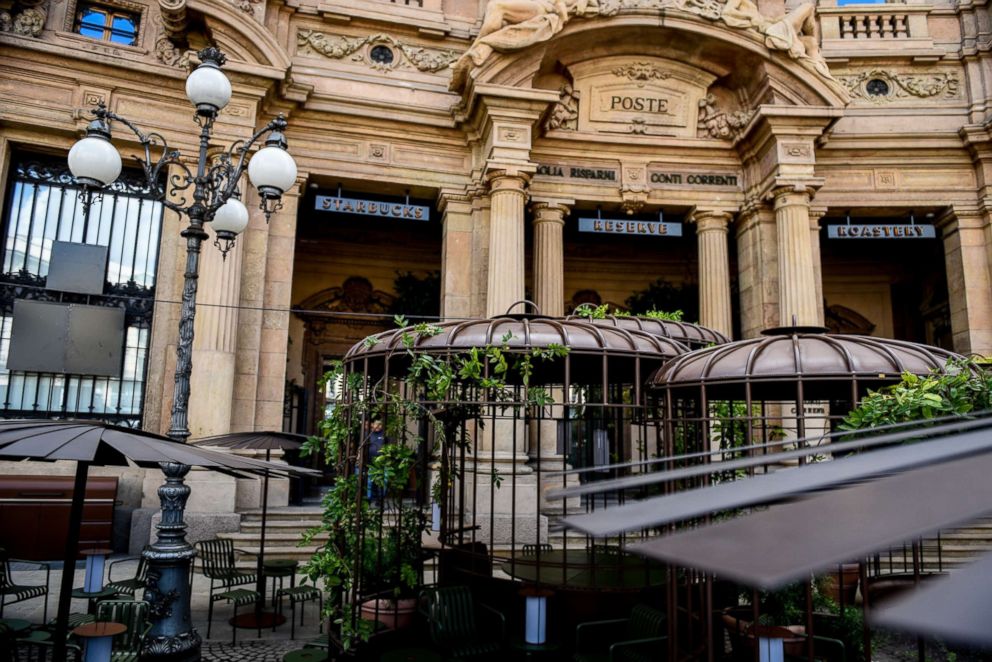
<point x="565" y="151"/>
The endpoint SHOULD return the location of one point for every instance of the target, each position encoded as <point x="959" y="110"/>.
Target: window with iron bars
<point x="43" y="206"/>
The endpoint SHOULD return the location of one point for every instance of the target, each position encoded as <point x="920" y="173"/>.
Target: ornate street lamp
<point x="96" y="163"/>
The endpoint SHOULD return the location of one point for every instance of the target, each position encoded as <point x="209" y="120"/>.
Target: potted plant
<point x="391" y="556"/>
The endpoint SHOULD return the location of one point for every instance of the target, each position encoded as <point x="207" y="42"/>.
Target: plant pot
<point x="393" y="614"/>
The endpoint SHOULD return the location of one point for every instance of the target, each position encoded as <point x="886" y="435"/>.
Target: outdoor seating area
<point x="528" y="470"/>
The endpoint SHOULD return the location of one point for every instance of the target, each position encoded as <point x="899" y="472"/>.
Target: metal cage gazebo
<point x="493" y="413"/>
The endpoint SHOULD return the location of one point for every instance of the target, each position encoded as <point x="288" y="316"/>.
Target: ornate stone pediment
<point x="511" y="25"/>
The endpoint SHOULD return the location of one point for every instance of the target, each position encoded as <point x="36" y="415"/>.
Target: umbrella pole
<point x="69" y="560"/>
<point x="261" y="545"/>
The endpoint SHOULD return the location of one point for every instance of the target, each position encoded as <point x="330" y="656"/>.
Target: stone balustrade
<point x="854" y="30"/>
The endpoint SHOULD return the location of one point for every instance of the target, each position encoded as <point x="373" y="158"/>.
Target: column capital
<point x="709" y="220"/>
<point x="507" y="179"/>
<point x="815" y="214"/>
<point x="455" y="200"/>
<point x="549" y="212"/>
<point x="791" y="195"/>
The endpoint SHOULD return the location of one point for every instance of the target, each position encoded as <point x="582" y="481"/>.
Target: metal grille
<point x="44" y="206"/>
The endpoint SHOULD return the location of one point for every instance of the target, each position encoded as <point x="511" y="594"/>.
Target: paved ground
<point x="271" y="648"/>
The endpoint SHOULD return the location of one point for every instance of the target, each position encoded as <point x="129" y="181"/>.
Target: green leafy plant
<point x="376" y="548"/>
<point x="963" y="388"/>
<point x="664" y="295"/>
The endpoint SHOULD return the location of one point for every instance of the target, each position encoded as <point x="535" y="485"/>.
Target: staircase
<point x="284" y="530"/>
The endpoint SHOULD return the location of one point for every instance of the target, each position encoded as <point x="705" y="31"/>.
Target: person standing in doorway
<point x="376" y="440"/>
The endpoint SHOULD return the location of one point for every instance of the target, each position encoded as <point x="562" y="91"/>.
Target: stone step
<point x="254" y="538"/>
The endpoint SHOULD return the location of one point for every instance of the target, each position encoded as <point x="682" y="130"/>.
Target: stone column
<point x="549" y="259"/>
<point x="508" y="194"/>
<point x="215" y="342"/>
<point x="757" y="269"/>
<point x="254" y="246"/>
<point x="277" y="299"/>
<point x="969" y="286"/>
<point x="714" y="271"/>
<point x="815" y="214"/>
<point x="457" y="259"/>
<point x="796" y="276"/>
<point x="480" y="253"/>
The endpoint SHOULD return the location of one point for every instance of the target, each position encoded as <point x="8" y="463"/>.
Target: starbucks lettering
<point x="640" y="104"/>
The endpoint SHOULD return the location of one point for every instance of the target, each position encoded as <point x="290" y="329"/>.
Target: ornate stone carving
<point x="641" y="71"/>
<point x="247" y="6"/>
<point x="715" y="123"/>
<point x="168" y="53"/>
<point x="895" y="86"/>
<point x="26" y="18"/>
<point x="565" y="113"/>
<point x="337" y="47"/>
<point x="174" y="17"/>
<point x="511" y="25"/>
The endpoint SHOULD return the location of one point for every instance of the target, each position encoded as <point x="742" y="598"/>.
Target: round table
<point x="99" y="636"/>
<point x="280" y="569"/>
<point x="548" y="650"/>
<point x="93" y="596"/>
<point x="579" y="568"/>
<point x="15" y="625"/>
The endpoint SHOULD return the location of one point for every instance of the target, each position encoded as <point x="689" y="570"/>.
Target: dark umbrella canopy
<point x="94" y="442"/>
<point x="103" y="444"/>
<point x="267" y="441"/>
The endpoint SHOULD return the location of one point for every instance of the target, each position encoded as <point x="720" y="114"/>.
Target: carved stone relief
<point x="716" y="123"/>
<point x="565" y="113"/>
<point x="360" y="49"/>
<point x="510" y="25"/>
<point x="641" y="71"/>
<point x="881" y="86"/>
<point x="26" y="18"/>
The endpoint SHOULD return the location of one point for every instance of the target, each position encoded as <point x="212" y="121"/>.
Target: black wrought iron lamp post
<point x="213" y="187"/>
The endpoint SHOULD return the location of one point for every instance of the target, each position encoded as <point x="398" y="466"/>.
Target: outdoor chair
<point x="531" y="549"/>
<point x="133" y="614"/>
<point x="21" y="592"/>
<point x="130" y="585"/>
<point x="462" y="628"/>
<point x="641" y="637"/>
<point x="26" y="650"/>
<point x="302" y="595"/>
<point x="217" y="561"/>
<point x="743" y="641"/>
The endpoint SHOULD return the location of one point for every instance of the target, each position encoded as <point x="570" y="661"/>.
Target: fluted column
<point x="796" y="276"/>
<point x="215" y="342"/>
<point x="508" y="195"/>
<point x="714" y="270"/>
<point x="549" y="259"/>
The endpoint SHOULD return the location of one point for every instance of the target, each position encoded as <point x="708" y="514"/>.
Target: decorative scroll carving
<point x="715" y="123"/>
<point x="337" y="47"/>
<point x="511" y="25"/>
<point x="641" y="71"/>
<point x="26" y="18"/>
<point x="174" y="17"/>
<point x="880" y="86"/>
<point x="565" y="113"/>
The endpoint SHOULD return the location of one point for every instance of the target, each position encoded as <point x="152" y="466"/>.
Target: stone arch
<point x="672" y="34"/>
<point x="242" y="38"/>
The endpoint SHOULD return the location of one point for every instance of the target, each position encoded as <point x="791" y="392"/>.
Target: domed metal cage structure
<point x="489" y="414"/>
<point x="754" y="400"/>
<point x="693" y="336"/>
<point x="790" y="383"/>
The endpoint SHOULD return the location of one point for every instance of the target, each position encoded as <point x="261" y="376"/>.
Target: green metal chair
<point x="21" y="592"/>
<point x="44" y="651"/>
<point x="130" y="585"/>
<point x="462" y="628"/>
<point x="133" y="614"/>
<point x="640" y="638"/>
<point x="217" y="562"/>
<point x="531" y="549"/>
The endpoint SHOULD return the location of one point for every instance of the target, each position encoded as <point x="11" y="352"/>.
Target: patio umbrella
<point x="94" y="442"/>
<point x="267" y="441"/>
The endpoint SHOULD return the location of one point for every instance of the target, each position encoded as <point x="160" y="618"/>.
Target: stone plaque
<point x="639" y="96"/>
